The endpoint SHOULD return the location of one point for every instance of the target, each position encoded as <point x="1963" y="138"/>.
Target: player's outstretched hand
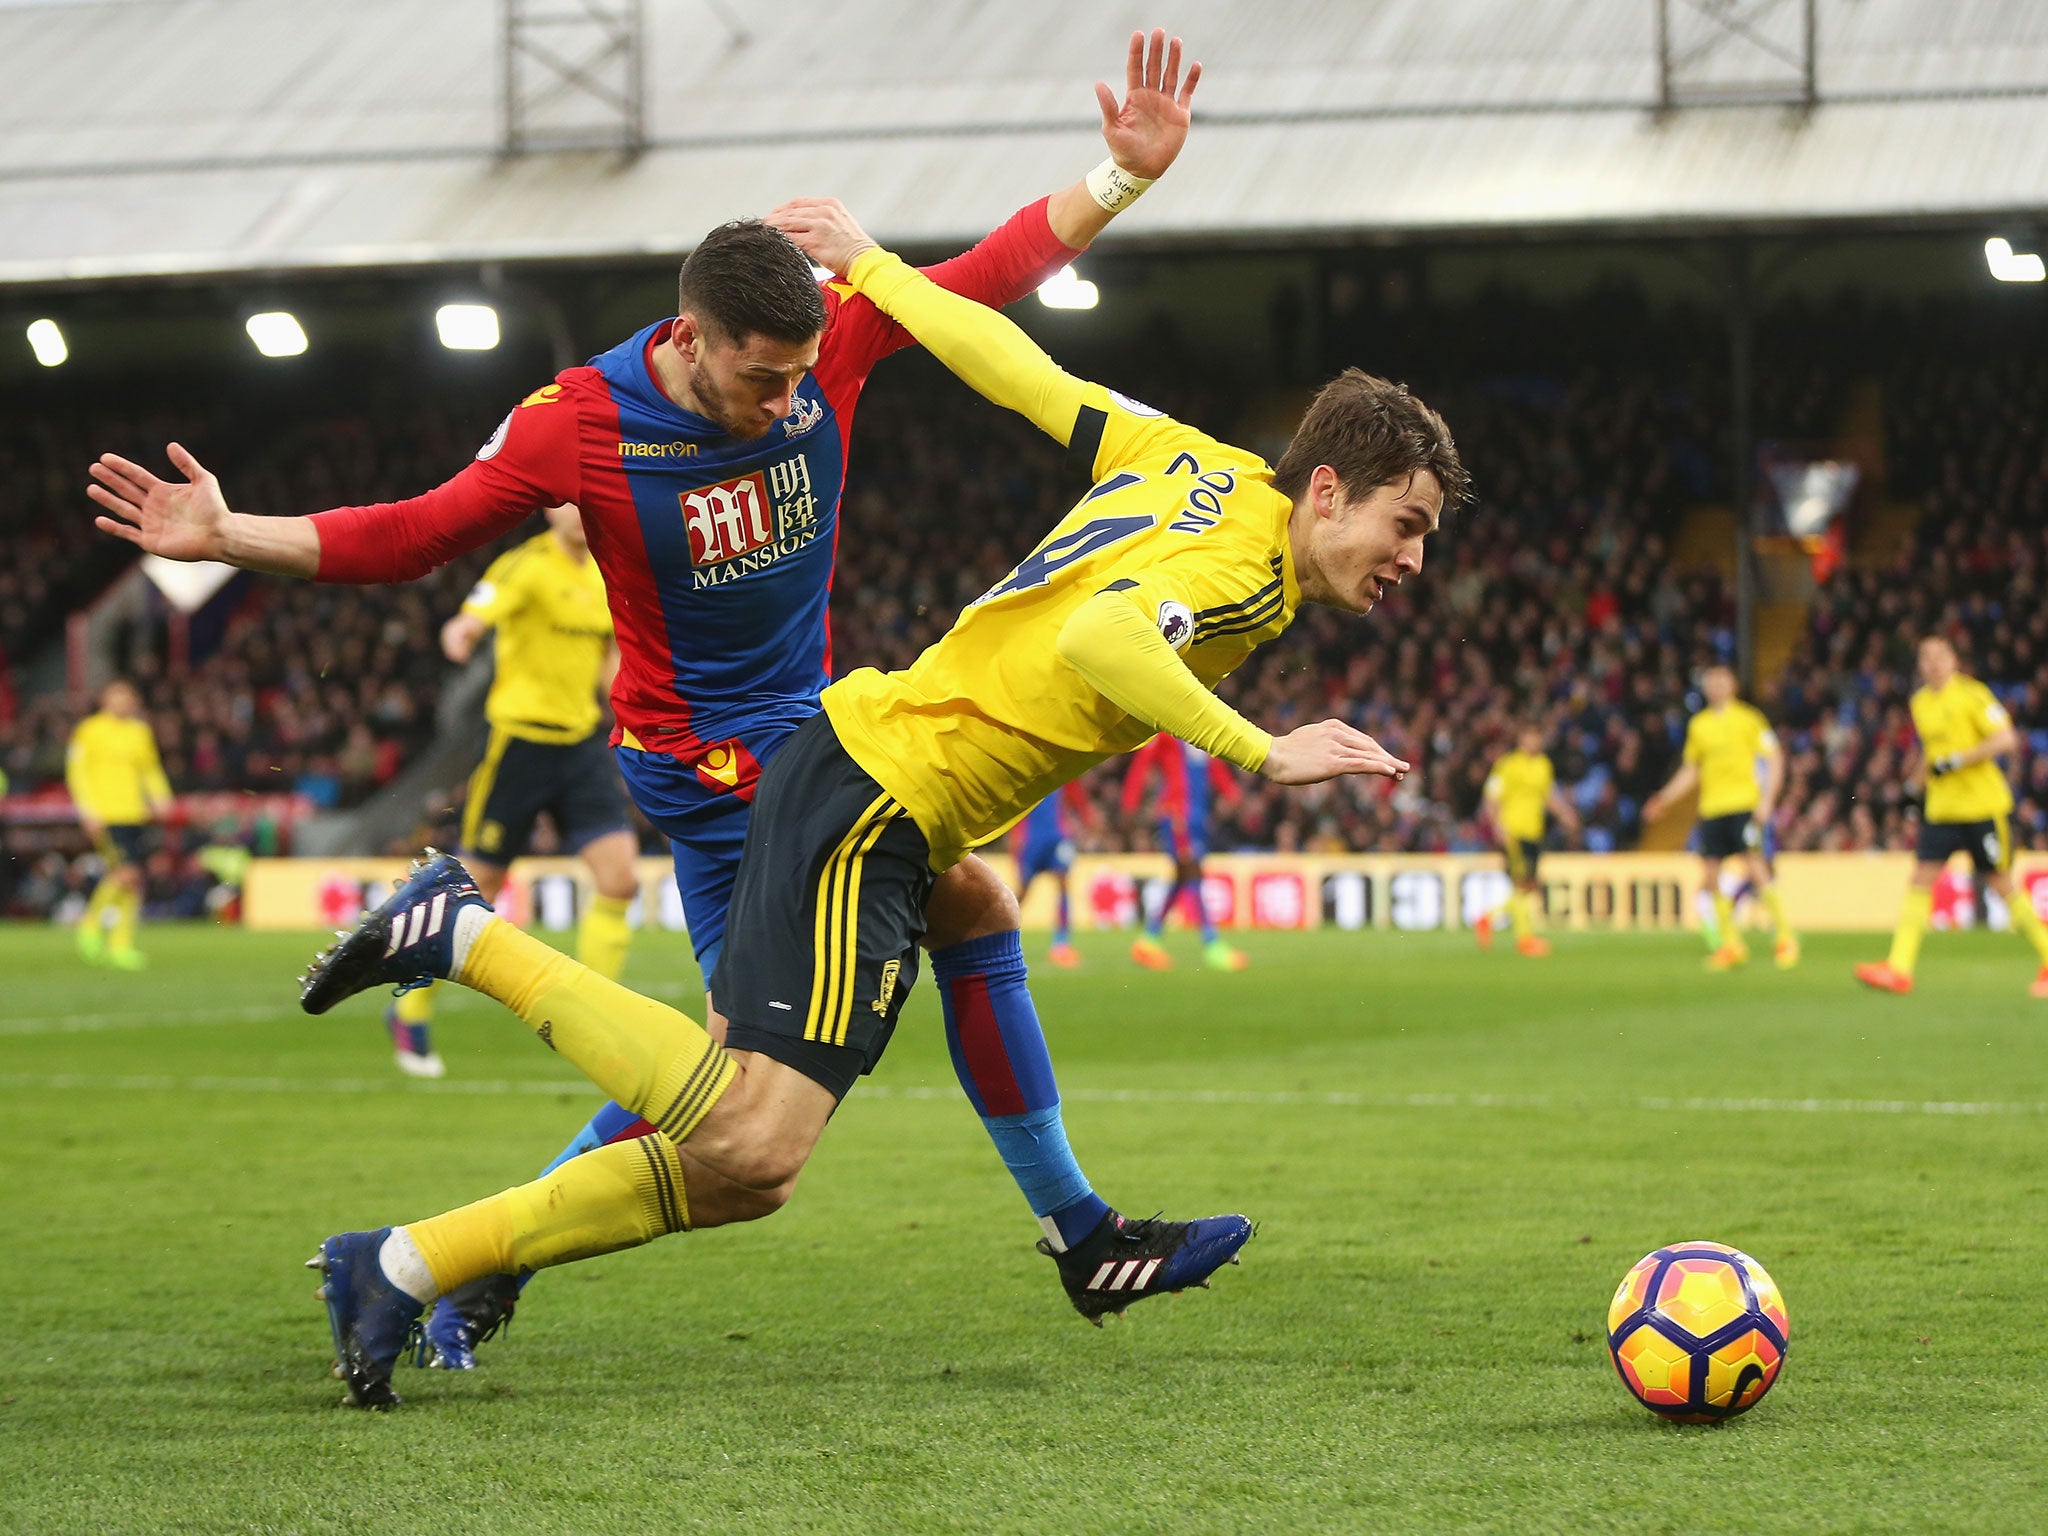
<point x="822" y="229"/>
<point x="1146" y="130"/>
<point x="185" y="521"/>
<point x="1329" y="749"/>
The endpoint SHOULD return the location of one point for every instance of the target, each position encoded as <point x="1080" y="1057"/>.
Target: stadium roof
<point x="161" y="136"/>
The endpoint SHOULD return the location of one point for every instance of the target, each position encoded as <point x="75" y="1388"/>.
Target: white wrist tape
<point x="1114" y="187"/>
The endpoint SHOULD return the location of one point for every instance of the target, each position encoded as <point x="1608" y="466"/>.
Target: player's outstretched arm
<point x="1682" y="782"/>
<point x="1144" y="132"/>
<point x="1111" y="642"/>
<point x="189" y="519"/>
<point x="986" y="351"/>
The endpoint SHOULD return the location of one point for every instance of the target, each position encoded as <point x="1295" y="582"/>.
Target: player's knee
<point x="968" y="902"/>
<point x="764" y="1162"/>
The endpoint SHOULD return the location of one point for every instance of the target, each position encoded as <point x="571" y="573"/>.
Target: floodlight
<point x="277" y="333"/>
<point x="1067" y="289"/>
<point x="2010" y="266"/>
<point x="47" y="342"/>
<point x="467" y="327"/>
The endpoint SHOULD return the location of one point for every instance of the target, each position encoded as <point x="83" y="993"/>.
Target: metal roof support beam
<point x="575" y="75"/>
<point x="1721" y="51"/>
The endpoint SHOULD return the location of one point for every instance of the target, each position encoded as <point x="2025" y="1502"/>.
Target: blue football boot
<point x="407" y="942"/>
<point x="464" y="1318"/>
<point x="1124" y="1261"/>
<point x="372" y="1320"/>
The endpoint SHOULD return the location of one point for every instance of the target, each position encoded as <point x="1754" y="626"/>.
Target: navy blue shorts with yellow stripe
<point x="576" y="783"/>
<point x="122" y="843"/>
<point x="821" y="936"/>
<point x="1987" y="842"/>
<point x="1523" y="855"/>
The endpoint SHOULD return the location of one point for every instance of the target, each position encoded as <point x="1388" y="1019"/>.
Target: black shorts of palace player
<point x="1730" y="836"/>
<point x="1987" y="842"/>
<point x="577" y="784"/>
<point x="122" y="843"/>
<point x="1523" y="857"/>
<point x="821" y="937"/>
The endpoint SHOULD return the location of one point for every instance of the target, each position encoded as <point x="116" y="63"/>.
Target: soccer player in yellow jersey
<point x="1186" y="554"/>
<point x="555" y="656"/>
<point x="1963" y="731"/>
<point x="1520" y="792"/>
<point x="1723" y="745"/>
<point x="117" y="782"/>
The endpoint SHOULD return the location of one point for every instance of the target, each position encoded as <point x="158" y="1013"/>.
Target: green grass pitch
<point x="1454" y="1157"/>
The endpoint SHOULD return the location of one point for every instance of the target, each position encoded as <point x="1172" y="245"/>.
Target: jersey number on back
<point x="1056" y="554"/>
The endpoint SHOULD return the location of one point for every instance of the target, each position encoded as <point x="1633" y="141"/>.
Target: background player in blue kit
<point x="1189" y="778"/>
<point x="1045" y="846"/>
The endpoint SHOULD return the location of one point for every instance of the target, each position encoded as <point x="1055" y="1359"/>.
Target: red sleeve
<point x="530" y="462"/>
<point x="1000" y="270"/>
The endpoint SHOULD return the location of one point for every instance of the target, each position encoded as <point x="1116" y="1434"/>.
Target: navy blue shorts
<point x="123" y="844"/>
<point x="518" y="779"/>
<point x="1185" y="837"/>
<point x="1043" y="856"/>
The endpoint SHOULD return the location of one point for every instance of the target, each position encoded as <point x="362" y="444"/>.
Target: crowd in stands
<point x="1556" y="597"/>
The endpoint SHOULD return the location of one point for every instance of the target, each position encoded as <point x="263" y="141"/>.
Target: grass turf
<point x="1454" y="1158"/>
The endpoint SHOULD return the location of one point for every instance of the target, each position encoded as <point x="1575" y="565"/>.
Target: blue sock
<point x="1194" y="886"/>
<point x="999" y="1053"/>
<point x="1062" y="928"/>
<point x="610" y="1124"/>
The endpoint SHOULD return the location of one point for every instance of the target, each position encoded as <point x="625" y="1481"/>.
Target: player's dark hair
<point x="745" y="279"/>
<point x="1372" y="432"/>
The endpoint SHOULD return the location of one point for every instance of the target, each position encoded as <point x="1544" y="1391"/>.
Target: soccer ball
<point x="1698" y="1332"/>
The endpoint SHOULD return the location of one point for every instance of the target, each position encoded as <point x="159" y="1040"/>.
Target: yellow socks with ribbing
<point x="2027" y="922"/>
<point x="649" y="1057"/>
<point x="127" y="905"/>
<point x="416" y="1006"/>
<point x="1520" y="915"/>
<point x="603" y="938"/>
<point x="613" y="1197"/>
<point x="1775" y="905"/>
<point x="1913" y="916"/>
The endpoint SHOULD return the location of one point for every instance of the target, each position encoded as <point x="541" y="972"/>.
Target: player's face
<point x="1937" y="662"/>
<point x="1361" y="546"/>
<point x="122" y="699"/>
<point x="1531" y="742"/>
<point x="745" y="385"/>
<point x="567" y="522"/>
<point x="1718" y="685"/>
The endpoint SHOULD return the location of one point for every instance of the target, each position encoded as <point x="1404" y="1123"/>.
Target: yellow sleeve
<point x="500" y="593"/>
<point x="77" y="767"/>
<point x="1692" y="753"/>
<point x="1991" y="717"/>
<point x="1495" y="786"/>
<point x="996" y="359"/>
<point x="1114" y="645"/>
<point x="156" y="785"/>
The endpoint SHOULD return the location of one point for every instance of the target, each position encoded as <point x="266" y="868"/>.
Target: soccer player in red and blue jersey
<point x="1045" y="846"/>
<point x="707" y="453"/>
<point x="1188" y="779"/>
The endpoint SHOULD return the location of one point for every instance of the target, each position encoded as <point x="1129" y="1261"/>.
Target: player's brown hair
<point x="1372" y="432"/>
<point x="745" y="279"/>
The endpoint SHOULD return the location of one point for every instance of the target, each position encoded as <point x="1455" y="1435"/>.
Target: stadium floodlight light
<point x="1068" y="289"/>
<point x="46" y="340"/>
<point x="467" y="327"/>
<point x="277" y="333"/>
<point x="2010" y="266"/>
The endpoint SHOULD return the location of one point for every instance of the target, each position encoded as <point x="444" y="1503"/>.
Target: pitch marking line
<point x="543" y="1086"/>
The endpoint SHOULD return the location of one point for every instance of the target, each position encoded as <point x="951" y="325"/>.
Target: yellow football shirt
<point x="1954" y="718"/>
<point x="113" y="770"/>
<point x="991" y="719"/>
<point x="1518" y="789"/>
<point x="1725" y="744"/>
<point x="554" y="629"/>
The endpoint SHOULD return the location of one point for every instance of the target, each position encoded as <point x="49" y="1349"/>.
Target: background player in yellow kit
<point x="1184" y="557"/>
<point x="1963" y="730"/>
<point x="1521" y="791"/>
<point x="555" y="656"/>
<point x="117" y="781"/>
<point x="1723" y="745"/>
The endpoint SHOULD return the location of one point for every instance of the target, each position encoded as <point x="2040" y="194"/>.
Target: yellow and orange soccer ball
<point x="1698" y="1332"/>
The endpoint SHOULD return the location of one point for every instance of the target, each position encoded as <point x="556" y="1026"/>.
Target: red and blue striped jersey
<point x="1186" y="777"/>
<point x="716" y="552"/>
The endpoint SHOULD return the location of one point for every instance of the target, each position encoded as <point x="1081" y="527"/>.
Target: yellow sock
<point x="2028" y="921"/>
<point x="95" y="914"/>
<point x="613" y="1197"/>
<point x="416" y="1006"/>
<point x="1919" y="906"/>
<point x="1724" y="914"/>
<point x="603" y="938"/>
<point x="127" y="911"/>
<point x="1518" y="912"/>
<point x="650" y="1058"/>
<point x="1775" y="905"/>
